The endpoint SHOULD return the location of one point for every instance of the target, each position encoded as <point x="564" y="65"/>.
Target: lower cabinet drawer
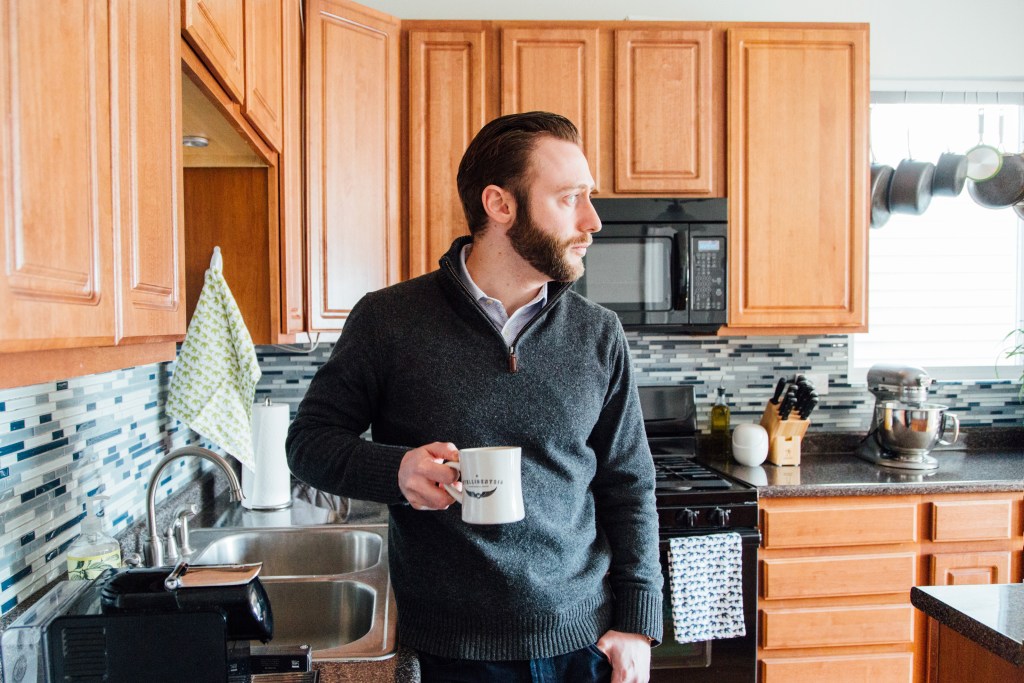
<point x="836" y="626"/>
<point x="834" y="576"/>
<point x="888" y="668"/>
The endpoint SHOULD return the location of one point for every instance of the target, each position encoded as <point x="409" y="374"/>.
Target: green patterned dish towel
<point x="214" y="381"/>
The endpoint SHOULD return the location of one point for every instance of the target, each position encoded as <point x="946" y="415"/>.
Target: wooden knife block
<point x="784" y="436"/>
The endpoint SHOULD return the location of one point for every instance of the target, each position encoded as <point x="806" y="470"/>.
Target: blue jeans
<point x="588" y="665"/>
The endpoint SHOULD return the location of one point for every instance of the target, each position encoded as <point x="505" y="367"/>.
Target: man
<point x="494" y="349"/>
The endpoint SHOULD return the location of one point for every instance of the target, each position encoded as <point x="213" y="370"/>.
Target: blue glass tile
<point x="85" y="425"/>
<point x="58" y="434"/>
<point x="5" y="472"/>
<point x="10" y="604"/>
<point x="118" y="399"/>
<point x="15" y="578"/>
<point x="17" y="424"/>
<point x="10" y="448"/>
<point x="61" y="386"/>
<point x="44" y="418"/>
<point x="46" y="447"/>
<point x="28" y="538"/>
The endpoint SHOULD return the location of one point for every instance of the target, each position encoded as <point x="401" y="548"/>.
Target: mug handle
<point x="956" y="429"/>
<point x="454" y="492"/>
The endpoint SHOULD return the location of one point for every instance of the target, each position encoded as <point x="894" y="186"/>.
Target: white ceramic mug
<point x="492" y="489"/>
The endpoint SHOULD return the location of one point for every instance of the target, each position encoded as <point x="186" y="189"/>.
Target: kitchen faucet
<point x="156" y="550"/>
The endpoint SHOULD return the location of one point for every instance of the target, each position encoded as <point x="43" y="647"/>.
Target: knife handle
<point x="779" y="388"/>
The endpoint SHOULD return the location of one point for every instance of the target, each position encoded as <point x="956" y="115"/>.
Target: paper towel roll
<point x="268" y="485"/>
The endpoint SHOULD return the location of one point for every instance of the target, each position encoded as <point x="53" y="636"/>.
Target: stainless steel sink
<point x="317" y="551"/>
<point x="328" y="585"/>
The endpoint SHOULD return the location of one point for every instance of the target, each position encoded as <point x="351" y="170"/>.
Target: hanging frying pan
<point x="984" y="161"/>
<point x="881" y="177"/>
<point x="1005" y="188"/>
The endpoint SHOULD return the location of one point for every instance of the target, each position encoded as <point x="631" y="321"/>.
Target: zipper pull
<point x="513" y="361"/>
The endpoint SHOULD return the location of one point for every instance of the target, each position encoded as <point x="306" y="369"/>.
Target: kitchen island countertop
<point x="990" y="615"/>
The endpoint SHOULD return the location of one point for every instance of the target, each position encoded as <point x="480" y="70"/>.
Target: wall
<point x="910" y="39"/>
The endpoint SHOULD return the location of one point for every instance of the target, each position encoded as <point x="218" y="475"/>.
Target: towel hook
<point x="216" y="261"/>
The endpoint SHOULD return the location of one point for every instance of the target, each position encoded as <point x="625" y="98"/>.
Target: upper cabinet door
<point x="798" y="174"/>
<point x="668" y="113"/>
<point x="264" y="68"/>
<point x="554" y="70"/>
<point x="352" y="166"/>
<point x="146" y="89"/>
<point x="56" y="247"/>
<point x="216" y="28"/>
<point x="447" y="106"/>
<point x="291" y="161"/>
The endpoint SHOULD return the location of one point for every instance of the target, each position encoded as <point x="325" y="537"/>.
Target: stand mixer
<point x="904" y="426"/>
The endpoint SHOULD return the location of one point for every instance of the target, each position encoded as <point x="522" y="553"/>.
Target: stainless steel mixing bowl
<point x="909" y="429"/>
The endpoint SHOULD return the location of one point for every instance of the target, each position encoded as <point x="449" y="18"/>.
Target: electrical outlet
<point x="819" y="380"/>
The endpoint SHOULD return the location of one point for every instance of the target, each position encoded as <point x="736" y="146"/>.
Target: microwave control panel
<point x="707" y="259"/>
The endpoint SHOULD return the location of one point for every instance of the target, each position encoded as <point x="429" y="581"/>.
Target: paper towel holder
<point x="268" y="487"/>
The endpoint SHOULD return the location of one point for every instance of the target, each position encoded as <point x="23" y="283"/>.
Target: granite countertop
<point x="990" y="615"/>
<point x="986" y="460"/>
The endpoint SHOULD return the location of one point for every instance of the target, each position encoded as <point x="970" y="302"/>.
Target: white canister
<point x="268" y="485"/>
<point x="749" y="444"/>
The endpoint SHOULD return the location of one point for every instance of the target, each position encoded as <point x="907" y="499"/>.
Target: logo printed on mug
<point x="492" y="483"/>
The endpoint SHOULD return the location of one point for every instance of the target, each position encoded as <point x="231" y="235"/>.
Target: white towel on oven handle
<point x="706" y="581"/>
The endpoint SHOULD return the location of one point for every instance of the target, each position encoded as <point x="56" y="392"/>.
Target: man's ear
<point x="499" y="205"/>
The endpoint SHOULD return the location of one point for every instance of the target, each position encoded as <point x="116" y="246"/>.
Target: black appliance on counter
<point x="693" y="499"/>
<point x="660" y="263"/>
<point x="129" y="625"/>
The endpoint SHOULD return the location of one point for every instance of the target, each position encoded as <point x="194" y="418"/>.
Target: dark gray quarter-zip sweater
<point x="420" y="362"/>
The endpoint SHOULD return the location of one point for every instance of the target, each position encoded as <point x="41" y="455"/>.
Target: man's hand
<point x="421" y="473"/>
<point x="629" y="654"/>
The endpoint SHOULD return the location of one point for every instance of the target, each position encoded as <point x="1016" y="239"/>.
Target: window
<point x="944" y="287"/>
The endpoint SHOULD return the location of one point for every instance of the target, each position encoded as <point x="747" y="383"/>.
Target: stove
<point x="694" y="499"/>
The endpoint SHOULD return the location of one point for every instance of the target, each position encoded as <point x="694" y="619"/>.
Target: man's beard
<point x="544" y="252"/>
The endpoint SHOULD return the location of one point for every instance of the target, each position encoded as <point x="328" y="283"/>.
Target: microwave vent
<point x="85" y="654"/>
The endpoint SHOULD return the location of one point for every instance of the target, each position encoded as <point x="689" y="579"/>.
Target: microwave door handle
<point x="684" y="278"/>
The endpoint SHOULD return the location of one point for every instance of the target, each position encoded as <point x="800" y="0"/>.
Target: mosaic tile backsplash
<point x="62" y="442"/>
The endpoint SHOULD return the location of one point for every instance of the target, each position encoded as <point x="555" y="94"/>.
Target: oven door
<point x="729" y="660"/>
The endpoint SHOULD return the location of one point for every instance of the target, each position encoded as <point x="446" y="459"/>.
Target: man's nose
<point x="590" y="221"/>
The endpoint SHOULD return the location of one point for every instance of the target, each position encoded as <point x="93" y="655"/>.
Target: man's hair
<point x="500" y="155"/>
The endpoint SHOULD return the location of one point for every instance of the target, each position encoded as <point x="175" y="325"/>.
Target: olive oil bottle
<point x="720" y="414"/>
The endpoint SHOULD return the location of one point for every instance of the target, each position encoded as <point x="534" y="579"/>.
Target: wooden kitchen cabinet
<point x="91" y="216"/>
<point x="352" y="91"/>
<point x="555" y="69"/>
<point x="249" y="199"/>
<point x="216" y="31"/>
<point x="240" y="42"/>
<point x="448" y="102"/>
<point x="669" y="80"/>
<point x="798" y="171"/>
<point x="836" y="575"/>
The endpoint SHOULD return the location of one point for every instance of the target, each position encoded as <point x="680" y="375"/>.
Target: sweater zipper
<point x="513" y="359"/>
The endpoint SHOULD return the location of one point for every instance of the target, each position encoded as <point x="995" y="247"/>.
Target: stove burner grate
<point x="678" y="473"/>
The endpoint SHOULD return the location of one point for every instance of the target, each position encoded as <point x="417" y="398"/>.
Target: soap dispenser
<point x="720" y="414"/>
<point x="94" y="550"/>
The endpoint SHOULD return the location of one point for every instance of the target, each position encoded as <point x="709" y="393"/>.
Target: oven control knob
<point x="720" y="517"/>
<point x="686" y="518"/>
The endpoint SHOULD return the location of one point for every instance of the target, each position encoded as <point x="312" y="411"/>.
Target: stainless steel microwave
<point x="660" y="263"/>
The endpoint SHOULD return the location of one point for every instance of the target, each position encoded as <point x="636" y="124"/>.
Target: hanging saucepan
<point x="984" y="161"/>
<point x="881" y="176"/>
<point x="911" y="188"/>
<point x="1004" y="189"/>
<point x="950" y="175"/>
